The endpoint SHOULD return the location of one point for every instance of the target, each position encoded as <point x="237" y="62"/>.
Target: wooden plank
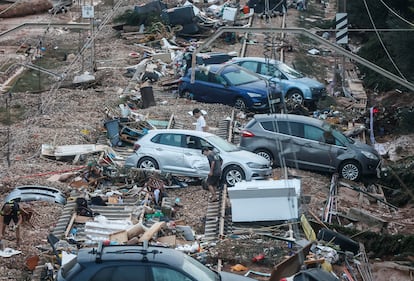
<point x="69" y="227"/>
<point x="119" y="236"/>
<point x="147" y="236"/>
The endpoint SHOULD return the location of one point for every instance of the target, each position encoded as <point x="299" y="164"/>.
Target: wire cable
<point x="382" y="43"/>
<point x="11" y="6"/>
<point x="395" y="14"/>
<point x="46" y="104"/>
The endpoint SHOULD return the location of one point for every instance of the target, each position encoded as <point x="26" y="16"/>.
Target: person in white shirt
<point x="201" y="122"/>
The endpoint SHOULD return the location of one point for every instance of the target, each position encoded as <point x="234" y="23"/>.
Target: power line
<point x="53" y="91"/>
<point x="11" y="6"/>
<point x="382" y="43"/>
<point x="395" y="14"/>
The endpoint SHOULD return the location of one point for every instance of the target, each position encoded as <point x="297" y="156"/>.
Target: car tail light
<point x="247" y="134"/>
<point x="136" y="146"/>
<point x="283" y="279"/>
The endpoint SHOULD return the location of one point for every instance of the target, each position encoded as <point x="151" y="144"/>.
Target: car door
<point x="195" y="162"/>
<point x="220" y="91"/>
<point x="289" y="137"/>
<point x="169" y="151"/>
<point x="274" y="74"/>
<point x="319" y="150"/>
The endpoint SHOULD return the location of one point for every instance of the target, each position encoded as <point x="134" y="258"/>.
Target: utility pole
<point x="92" y="20"/>
<point x="88" y="13"/>
<point x="343" y="57"/>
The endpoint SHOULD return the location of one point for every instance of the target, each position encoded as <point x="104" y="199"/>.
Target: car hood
<point x="363" y="146"/>
<point x="244" y="156"/>
<point x="309" y="82"/>
<point x="227" y="276"/>
<point x="255" y="87"/>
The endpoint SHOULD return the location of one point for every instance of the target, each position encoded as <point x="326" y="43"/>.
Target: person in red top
<point x="9" y="212"/>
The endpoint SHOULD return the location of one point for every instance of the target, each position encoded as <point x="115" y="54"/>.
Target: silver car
<point x="179" y="152"/>
<point x="308" y="143"/>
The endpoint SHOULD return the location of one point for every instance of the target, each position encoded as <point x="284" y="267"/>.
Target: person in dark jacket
<point x="214" y="175"/>
<point x="11" y="212"/>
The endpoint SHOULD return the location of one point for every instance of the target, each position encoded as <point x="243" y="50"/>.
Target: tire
<point x="148" y="163"/>
<point x="186" y="94"/>
<point x="240" y="104"/>
<point x="232" y="175"/>
<point x="350" y="170"/>
<point x="265" y="154"/>
<point x="296" y="96"/>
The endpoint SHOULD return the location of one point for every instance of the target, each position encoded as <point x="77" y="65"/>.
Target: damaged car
<point x="136" y="262"/>
<point x="179" y="152"/>
<point x="308" y="143"/>
<point x="230" y="85"/>
<point x="294" y="85"/>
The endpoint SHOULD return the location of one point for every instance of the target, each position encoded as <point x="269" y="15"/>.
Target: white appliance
<point x="265" y="200"/>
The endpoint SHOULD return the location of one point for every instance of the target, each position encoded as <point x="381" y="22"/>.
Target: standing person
<point x="201" y="122"/>
<point x="214" y="175"/>
<point x="9" y="212"/>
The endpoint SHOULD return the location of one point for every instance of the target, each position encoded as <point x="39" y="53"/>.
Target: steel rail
<point x="45" y="24"/>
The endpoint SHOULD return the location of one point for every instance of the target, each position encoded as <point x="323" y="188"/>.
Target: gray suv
<point x="130" y="263"/>
<point x="308" y="143"/>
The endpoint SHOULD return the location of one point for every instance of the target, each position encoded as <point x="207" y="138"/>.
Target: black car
<point x="136" y="262"/>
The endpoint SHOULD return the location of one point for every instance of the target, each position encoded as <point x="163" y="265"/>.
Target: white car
<point x="179" y="152"/>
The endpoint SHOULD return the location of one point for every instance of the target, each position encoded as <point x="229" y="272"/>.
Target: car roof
<point x="180" y="131"/>
<point x="214" y="68"/>
<point x="113" y="253"/>
<point x="289" y="117"/>
<point x="259" y="59"/>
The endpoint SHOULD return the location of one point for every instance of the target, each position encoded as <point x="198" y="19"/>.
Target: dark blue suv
<point x="231" y="85"/>
<point x="139" y="263"/>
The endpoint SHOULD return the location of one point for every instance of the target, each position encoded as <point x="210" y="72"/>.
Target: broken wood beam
<point x="136" y="230"/>
<point x="147" y="236"/>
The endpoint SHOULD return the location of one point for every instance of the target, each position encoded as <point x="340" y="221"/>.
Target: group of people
<point x="214" y="159"/>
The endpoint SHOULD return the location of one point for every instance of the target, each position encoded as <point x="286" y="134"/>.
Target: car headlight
<point x="369" y="155"/>
<point x="254" y="95"/>
<point x="255" y="165"/>
<point x="314" y="90"/>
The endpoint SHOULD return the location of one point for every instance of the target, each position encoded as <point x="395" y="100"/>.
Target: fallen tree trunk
<point x="24" y="8"/>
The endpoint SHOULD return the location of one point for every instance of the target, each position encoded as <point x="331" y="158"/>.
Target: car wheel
<point x="265" y="154"/>
<point x="240" y="104"/>
<point x="148" y="163"/>
<point x="232" y="175"/>
<point x="350" y="170"/>
<point x="295" y="96"/>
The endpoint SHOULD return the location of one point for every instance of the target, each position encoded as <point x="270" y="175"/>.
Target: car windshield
<point x="195" y="268"/>
<point x="221" y="144"/>
<point x="337" y="134"/>
<point x="290" y="72"/>
<point x="238" y="77"/>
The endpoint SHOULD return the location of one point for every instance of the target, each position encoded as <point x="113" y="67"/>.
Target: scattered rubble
<point x="47" y="139"/>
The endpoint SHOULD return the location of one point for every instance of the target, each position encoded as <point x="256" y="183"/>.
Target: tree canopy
<point x="395" y="53"/>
